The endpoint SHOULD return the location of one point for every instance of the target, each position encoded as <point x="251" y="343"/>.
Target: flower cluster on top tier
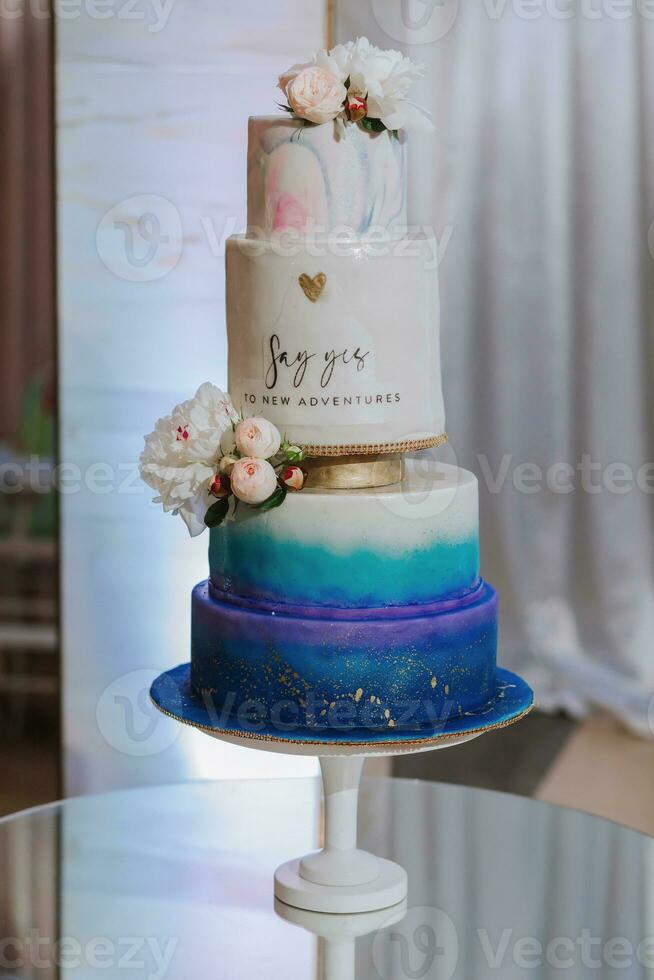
<point x="204" y="454"/>
<point x="355" y="83"/>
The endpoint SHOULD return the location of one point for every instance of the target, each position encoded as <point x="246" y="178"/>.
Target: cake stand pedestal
<point x="341" y="877"/>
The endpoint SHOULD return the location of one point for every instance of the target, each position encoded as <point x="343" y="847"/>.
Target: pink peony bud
<point x="257" y="437"/>
<point x="219" y="486"/>
<point x="357" y="107"/>
<point x="294" y="477"/>
<point x="253" y="480"/>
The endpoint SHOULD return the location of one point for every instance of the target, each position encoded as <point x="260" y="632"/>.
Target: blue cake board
<point x="173" y="695"/>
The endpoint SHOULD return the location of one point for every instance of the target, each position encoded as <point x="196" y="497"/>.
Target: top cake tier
<point x="312" y="181"/>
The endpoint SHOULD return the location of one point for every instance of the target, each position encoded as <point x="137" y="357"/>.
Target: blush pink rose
<point x="290" y="74"/>
<point x="257" y="437"/>
<point x="315" y="94"/>
<point x="253" y="480"/>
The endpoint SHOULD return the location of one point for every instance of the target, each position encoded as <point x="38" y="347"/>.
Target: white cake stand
<point x="341" y="877"/>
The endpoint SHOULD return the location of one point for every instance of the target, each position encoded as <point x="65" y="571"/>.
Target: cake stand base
<point x="341" y="878"/>
<point x="387" y="889"/>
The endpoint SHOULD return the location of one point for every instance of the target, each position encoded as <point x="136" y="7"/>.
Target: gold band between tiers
<point x="377" y="448"/>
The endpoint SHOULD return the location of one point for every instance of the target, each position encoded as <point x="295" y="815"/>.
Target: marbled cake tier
<point x="393" y="546"/>
<point x="312" y="180"/>
<point x="337" y="343"/>
<point x="407" y="667"/>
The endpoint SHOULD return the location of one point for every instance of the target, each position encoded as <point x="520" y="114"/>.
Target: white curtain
<point x="539" y="183"/>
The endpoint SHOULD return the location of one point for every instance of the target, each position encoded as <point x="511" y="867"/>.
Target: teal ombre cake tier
<point x="413" y="543"/>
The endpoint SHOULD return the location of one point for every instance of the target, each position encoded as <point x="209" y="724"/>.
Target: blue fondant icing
<point x="173" y="693"/>
<point x="409" y="669"/>
<point x="251" y="563"/>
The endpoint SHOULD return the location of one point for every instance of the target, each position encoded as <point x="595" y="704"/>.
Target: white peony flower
<point x="181" y="456"/>
<point x="257" y="437"/>
<point x="336" y="61"/>
<point x="253" y="480"/>
<point x="385" y="78"/>
<point x="228" y="442"/>
<point x="315" y="94"/>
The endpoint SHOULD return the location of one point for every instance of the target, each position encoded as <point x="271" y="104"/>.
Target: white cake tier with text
<point x="337" y="342"/>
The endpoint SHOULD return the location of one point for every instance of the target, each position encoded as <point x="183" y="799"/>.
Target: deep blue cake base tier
<point x="173" y="694"/>
<point x="406" y="667"/>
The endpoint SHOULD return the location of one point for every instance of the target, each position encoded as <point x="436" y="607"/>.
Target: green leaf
<point x="217" y="512"/>
<point x="286" y="108"/>
<point x="275" y="500"/>
<point x="372" y="125"/>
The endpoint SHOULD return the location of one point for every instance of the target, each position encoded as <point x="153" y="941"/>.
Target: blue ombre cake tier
<point x="407" y="544"/>
<point x="408" y="667"/>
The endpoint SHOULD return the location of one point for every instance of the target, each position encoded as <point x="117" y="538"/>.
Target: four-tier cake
<point x="344" y="590"/>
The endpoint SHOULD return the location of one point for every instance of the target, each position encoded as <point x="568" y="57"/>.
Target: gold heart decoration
<point x="312" y="287"/>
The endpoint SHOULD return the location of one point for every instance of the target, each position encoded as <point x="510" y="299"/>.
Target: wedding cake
<point x="344" y="590"/>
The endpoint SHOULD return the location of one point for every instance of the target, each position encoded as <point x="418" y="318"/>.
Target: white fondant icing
<point x="309" y="180"/>
<point x="361" y="364"/>
<point x="436" y="502"/>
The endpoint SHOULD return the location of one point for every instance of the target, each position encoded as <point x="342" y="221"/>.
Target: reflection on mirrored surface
<point x="178" y="880"/>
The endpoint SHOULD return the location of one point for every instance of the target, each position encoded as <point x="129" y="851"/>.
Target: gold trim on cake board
<point x="335" y="743"/>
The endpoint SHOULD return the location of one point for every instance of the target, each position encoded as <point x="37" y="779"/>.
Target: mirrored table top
<point x="176" y="882"/>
